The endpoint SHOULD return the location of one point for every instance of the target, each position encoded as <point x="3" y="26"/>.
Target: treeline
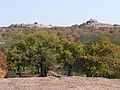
<point x="44" y="51"/>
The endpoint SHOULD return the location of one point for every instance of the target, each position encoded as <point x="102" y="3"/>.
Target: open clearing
<point x="62" y="83"/>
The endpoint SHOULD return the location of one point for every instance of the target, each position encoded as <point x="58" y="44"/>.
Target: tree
<point x="46" y="51"/>
<point x="102" y="59"/>
<point x="69" y="51"/>
<point x="35" y="22"/>
<point x="34" y="53"/>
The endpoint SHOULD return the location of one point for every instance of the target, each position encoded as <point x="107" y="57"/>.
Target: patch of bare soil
<point x="62" y="83"/>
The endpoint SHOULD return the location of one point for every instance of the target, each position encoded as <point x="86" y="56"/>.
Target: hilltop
<point x="91" y="30"/>
<point x="90" y="23"/>
<point x="98" y="25"/>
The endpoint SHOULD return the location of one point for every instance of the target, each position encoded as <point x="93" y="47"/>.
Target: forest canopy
<point x="64" y="50"/>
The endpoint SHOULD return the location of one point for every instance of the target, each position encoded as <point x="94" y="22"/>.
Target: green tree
<point x="35" y="52"/>
<point x="102" y="59"/>
<point x="69" y="51"/>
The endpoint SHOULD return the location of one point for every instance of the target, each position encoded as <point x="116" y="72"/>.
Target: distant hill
<point x="92" y="30"/>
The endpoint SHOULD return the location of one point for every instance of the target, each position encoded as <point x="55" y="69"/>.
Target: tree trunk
<point x="45" y="71"/>
<point x="18" y="69"/>
<point x="41" y="68"/>
<point x="38" y="70"/>
<point x="69" y="70"/>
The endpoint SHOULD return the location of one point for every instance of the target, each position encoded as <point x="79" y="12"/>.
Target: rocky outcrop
<point x="34" y="25"/>
<point x="96" y="24"/>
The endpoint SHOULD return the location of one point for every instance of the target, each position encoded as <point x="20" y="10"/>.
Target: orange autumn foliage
<point x="3" y="66"/>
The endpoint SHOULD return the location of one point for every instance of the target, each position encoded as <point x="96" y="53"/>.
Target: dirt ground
<point x="62" y="83"/>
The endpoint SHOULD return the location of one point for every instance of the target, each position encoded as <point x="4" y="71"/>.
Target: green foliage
<point x="102" y="60"/>
<point x="34" y="52"/>
<point x="69" y="51"/>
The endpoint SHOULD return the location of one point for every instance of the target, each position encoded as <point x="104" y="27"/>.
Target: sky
<point x="58" y="12"/>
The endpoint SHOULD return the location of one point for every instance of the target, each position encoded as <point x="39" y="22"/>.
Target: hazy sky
<point x="58" y="12"/>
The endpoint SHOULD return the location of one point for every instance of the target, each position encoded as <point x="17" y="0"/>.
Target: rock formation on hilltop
<point x="34" y="25"/>
<point x="96" y="24"/>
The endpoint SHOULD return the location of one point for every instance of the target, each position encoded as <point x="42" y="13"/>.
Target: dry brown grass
<point x="62" y="83"/>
